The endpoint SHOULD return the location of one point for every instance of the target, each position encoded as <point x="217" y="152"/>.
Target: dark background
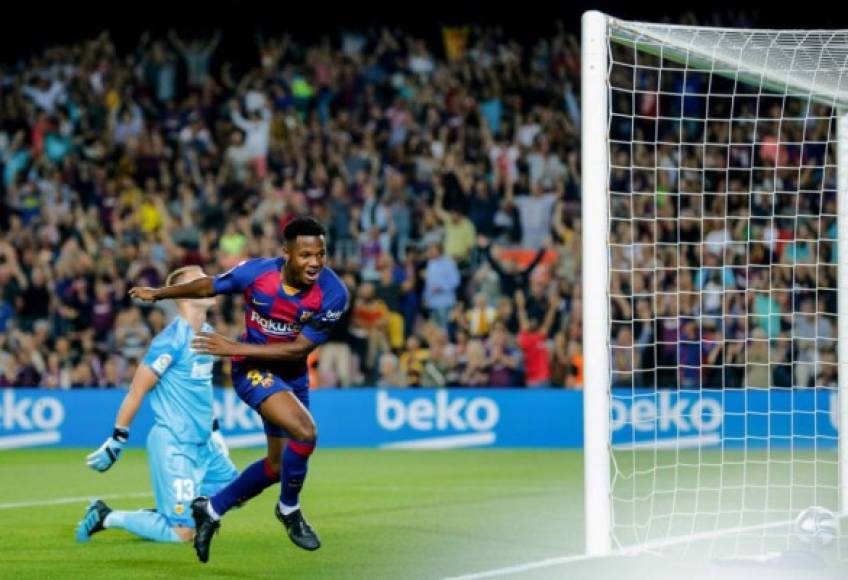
<point x="32" y="25"/>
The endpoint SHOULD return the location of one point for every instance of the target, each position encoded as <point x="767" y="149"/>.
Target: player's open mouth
<point x="311" y="274"/>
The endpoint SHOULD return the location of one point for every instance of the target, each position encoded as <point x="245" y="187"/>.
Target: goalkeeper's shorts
<point x="183" y="471"/>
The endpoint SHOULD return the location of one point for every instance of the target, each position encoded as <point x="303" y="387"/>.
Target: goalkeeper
<point x="187" y="457"/>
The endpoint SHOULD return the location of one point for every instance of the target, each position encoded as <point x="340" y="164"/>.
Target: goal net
<point x="711" y="172"/>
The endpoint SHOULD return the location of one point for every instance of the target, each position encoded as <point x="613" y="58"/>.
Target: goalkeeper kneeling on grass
<point x="187" y="454"/>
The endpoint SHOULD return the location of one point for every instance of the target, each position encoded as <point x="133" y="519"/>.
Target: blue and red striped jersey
<point x="271" y="315"/>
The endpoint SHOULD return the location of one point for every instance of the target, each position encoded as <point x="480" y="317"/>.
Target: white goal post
<point x="751" y="417"/>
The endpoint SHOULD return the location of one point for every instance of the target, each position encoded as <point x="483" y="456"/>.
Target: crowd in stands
<point x="723" y="231"/>
<point x="447" y="178"/>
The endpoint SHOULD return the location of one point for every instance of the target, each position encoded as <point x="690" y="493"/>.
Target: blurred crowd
<point x="723" y="231"/>
<point x="447" y="178"/>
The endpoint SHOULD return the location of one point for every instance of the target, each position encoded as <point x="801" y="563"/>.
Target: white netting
<point x="722" y="257"/>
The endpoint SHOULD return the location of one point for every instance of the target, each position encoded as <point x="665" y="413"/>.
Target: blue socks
<point x="150" y="525"/>
<point x="249" y="484"/>
<point x="259" y="475"/>
<point x="295" y="459"/>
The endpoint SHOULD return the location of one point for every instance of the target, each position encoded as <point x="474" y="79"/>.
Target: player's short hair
<point x="175" y="276"/>
<point x="303" y="226"/>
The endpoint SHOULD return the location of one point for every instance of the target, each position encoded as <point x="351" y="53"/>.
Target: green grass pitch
<point x="381" y="514"/>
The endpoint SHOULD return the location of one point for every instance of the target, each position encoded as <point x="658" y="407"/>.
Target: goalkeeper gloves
<point x="110" y="451"/>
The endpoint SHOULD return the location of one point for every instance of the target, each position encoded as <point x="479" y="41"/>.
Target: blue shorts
<point x="183" y="471"/>
<point x="253" y="386"/>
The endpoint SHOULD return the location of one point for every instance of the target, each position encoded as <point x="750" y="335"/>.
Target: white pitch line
<point x="673" y="541"/>
<point x="447" y="442"/>
<point x="524" y="567"/>
<point x="654" y="545"/>
<point x="29" y="439"/>
<point x="249" y="440"/>
<point x="65" y="500"/>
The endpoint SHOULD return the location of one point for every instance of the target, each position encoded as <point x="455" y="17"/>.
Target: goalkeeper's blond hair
<point x="174" y="277"/>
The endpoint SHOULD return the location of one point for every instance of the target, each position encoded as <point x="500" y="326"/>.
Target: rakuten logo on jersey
<point x="275" y="327"/>
<point x="28" y="421"/>
<point x="474" y="419"/>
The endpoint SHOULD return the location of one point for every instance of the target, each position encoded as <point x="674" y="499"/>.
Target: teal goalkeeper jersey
<point x="182" y="399"/>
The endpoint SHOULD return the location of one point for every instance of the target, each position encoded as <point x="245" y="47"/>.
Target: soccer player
<point x="291" y="304"/>
<point x="185" y="456"/>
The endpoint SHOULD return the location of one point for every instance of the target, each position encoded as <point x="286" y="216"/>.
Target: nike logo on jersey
<point x="257" y="303"/>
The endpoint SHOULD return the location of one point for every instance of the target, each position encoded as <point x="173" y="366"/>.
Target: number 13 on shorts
<point x="183" y="489"/>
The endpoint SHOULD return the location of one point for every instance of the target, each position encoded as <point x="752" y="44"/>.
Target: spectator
<point x="504" y="360"/>
<point x="388" y="288"/>
<point x="400" y="213"/>
<point x="474" y="372"/>
<point x="757" y="371"/>
<point x="546" y="168"/>
<point x="440" y="369"/>
<point x="103" y="311"/>
<point x="114" y="172"/>
<point x="622" y="359"/>
<point x="535" y="212"/>
<point x="560" y="363"/>
<point x="511" y="278"/>
<point x="257" y="130"/>
<point x="531" y="338"/>
<point x="480" y="317"/>
<point x="574" y="372"/>
<point x="34" y="302"/>
<point x="390" y="374"/>
<point x="369" y="327"/>
<point x="483" y="208"/>
<point x="132" y="335"/>
<point x="27" y="375"/>
<point x="412" y="361"/>
<point x="9" y="372"/>
<point x="375" y="216"/>
<point x="56" y="376"/>
<point x="459" y="230"/>
<point x="237" y="159"/>
<point x="233" y="246"/>
<point x="440" y="283"/>
<point x="197" y="56"/>
<point x="341" y="238"/>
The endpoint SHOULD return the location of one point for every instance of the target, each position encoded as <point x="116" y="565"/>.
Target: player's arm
<point x="219" y="345"/>
<point x="143" y="382"/>
<point x="199" y="288"/>
<point x="232" y="281"/>
<point x="108" y="453"/>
